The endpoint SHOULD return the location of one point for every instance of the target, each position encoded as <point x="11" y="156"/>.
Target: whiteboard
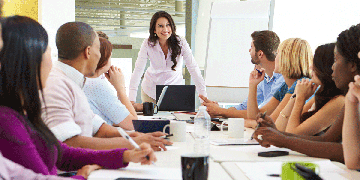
<point x="228" y="61"/>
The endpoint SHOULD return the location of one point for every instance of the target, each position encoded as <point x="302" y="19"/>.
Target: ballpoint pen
<point x="259" y="72"/>
<point x="167" y="136"/>
<point x="258" y="125"/>
<point x="132" y="142"/>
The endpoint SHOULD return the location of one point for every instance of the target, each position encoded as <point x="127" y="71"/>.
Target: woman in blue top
<point x="300" y="118"/>
<point x="115" y="110"/>
<point x="293" y="60"/>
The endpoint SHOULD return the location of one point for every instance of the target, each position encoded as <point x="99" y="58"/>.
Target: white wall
<point x="317" y="21"/>
<point x="55" y="13"/>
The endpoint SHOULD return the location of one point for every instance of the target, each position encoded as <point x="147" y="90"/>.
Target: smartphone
<point x="273" y="153"/>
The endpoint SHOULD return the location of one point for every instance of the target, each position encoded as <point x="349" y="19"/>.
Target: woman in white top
<point x="166" y="52"/>
<point x="115" y="110"/>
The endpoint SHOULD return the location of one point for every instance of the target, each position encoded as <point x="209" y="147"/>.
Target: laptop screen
<point x="177" y="98"/>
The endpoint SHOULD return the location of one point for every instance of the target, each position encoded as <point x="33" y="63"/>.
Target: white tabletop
<point x="236" y="173"/>
<point x="222" y="163"/>
<point x="170" y="159"/>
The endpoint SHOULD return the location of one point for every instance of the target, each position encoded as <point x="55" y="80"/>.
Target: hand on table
<point x="213" y="109"/>
<point x="86" y="170"/>
<point x="139" y="156"/>
<point x="137" y="106"/>
<point x="266" y="121"/>
<point x="267" y="136"/>
<point x="156" y="143"/>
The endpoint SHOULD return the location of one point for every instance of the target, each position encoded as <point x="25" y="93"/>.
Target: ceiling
<point x="126" y="17"/>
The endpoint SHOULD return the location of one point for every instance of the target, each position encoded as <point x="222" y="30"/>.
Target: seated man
<point x="263" y="47"/>
<point x="66" y="110"/>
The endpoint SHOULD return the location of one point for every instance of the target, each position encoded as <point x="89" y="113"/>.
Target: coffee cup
<point x="195" y="166"/>
<point x="178" y="129"/>
<point x="235" y="127"/>
<point x="149" y="109"/>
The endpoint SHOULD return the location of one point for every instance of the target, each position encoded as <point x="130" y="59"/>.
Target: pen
<point x="258" y="125"/>
<point x="176" y="118"/>
<point x="274" y="175"/>
<point x="259" y="71"/>
<point x="166" y="136"/>
<point x="132" y="142"/>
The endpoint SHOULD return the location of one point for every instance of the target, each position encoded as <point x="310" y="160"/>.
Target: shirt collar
<point x="71" y="73"/>
<point x="274" y="77"/>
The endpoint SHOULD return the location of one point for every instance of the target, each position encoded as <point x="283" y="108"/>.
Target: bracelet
<point x="283" y="115"/>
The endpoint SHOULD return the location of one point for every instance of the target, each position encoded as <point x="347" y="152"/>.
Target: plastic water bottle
<point x="202" y="131"/>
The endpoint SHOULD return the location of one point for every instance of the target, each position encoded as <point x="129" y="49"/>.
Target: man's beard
<point x="255" y="61"/>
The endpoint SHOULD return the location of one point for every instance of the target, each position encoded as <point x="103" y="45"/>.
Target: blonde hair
<point x="295" y="57"/>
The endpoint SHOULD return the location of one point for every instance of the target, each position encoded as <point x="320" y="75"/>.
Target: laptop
<point x="176" y="98"/>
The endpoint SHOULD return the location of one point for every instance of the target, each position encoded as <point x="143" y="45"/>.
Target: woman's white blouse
<point x="160" y="72"/>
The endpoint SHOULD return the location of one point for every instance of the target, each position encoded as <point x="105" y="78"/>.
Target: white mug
<point x="178" y="129"/>
<point x="235" y="127"/>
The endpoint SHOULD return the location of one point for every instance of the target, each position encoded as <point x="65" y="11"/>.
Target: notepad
<point x="141" y="172"/>
<point x="224" y="142"/>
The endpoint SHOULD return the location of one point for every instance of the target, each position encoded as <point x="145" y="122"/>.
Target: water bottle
<point x="202" y="131"/>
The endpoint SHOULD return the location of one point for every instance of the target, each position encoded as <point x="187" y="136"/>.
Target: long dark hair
<point x="322" y="63"/>
<point x="25" y="41"/>
<point x="173" y="41"/>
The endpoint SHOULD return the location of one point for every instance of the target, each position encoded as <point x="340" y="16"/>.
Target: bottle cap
<point x="202" y="108"/>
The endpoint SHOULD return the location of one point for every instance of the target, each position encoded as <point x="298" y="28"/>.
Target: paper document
<point x="137" y="172"/>
<point x="183" y="116"/>
<point x="169" y="117"/>
<point x="261" y="170"/>
<point x="256" y="149"/>
<point x="224" y="142"/>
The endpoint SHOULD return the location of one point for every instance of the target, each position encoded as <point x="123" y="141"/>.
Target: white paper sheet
<point x="261" y="170"/>
<point x="156" y="117"/>
<point x="257" y="148"/>
<point x="242" y="141"/>
<point x="137" y="172"/>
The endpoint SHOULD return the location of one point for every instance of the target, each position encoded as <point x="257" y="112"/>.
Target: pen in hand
<point x="259" y="72"/>
<point x="132" y="142"/>
<point x="167" y="136"/>
<point x="258" y="125"/>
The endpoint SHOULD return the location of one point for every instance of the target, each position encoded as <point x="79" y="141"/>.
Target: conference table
<point x="223" y="160"/>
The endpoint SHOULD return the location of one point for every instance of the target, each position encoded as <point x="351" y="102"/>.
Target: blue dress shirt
<point x="265" y="90"/>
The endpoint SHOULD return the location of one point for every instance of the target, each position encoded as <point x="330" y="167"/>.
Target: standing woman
<point x="167" y="52"/>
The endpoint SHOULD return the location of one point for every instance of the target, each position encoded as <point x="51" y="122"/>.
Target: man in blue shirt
<point x="263" y="52"/>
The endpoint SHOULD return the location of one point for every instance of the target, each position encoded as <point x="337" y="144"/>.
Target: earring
<point x="155" y="34"/>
